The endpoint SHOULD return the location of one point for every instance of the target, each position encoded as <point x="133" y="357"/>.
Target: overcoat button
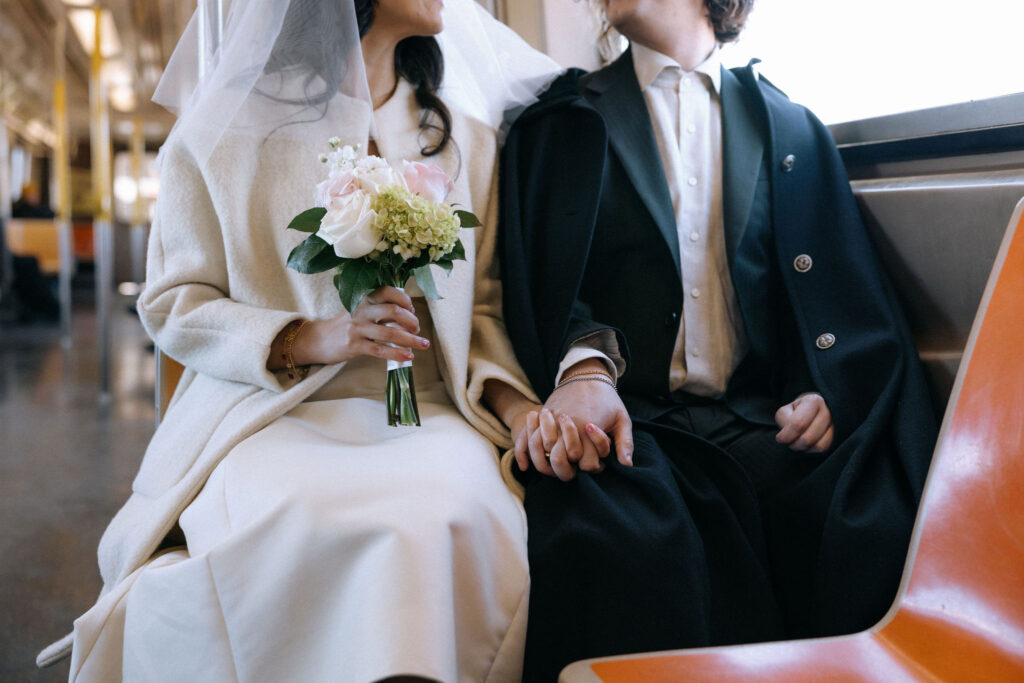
<point x="671" y="319"/>
<point x="802" y="263"/>
<point x="825" y="341"/>
<point x="788" y="163"/>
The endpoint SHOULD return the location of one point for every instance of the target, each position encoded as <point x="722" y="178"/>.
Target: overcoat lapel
<point x="742" y="150"/>
<point x="615" y="93"/>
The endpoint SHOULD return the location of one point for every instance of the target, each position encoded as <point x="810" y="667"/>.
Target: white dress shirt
<point x="686" y="113"/>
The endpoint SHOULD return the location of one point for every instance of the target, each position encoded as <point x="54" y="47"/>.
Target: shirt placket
<point x="694" y="223"/>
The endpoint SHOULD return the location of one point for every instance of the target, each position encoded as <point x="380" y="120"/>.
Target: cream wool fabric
<point x="217" y="295"/>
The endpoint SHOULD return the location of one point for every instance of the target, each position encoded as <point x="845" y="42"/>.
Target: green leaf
<point x="357" y="278"/>
<point x="467" y="219"/>
<point x="313" y="256"/>
<point x="445" y="263"/>
<point x="458" y="252"/>
<point x="308" y="220"/>
<point x="425" y="279"/>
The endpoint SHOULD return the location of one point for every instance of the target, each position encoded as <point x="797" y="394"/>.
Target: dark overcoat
<point x="589" y="242"/>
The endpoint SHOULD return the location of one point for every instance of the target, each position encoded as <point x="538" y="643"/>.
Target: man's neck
<point x="684" y="34"/>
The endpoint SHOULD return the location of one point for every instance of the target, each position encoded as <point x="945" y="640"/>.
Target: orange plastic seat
<point x="959" y="613"/>
<point x="35" y="237"/>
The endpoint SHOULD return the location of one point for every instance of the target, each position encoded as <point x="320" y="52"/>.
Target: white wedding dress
<point x="329" y="546"/>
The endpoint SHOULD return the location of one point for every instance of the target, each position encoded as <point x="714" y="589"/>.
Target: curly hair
<point x="728" y="17"/>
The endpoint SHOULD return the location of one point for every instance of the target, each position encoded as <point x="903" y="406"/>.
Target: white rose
<point x="348" y="226"/>
<point x="374" y="173"/>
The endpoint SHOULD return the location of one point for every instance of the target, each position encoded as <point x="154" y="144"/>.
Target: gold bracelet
<point x="588" y="372"/>
<point x="289" y="342"/>
<point x="591" y="377"/>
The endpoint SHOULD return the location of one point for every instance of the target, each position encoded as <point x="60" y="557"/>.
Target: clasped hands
<point x="582" y="422"/>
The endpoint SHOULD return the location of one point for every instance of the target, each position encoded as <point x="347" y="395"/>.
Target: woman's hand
<point x="363" y="333"/>
<point x="805" y="424"/>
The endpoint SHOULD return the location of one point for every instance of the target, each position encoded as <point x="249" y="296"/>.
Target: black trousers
<point x="668" y="553"/>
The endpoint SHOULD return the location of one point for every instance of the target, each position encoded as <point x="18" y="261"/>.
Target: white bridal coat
<point x="217" y="295"/>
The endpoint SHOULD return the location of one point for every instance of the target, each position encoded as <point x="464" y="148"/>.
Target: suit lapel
<point x="742" y="150"/>
<point x="615" y="93"/>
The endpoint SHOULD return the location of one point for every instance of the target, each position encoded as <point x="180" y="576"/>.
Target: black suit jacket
<point x="588" y="242"/>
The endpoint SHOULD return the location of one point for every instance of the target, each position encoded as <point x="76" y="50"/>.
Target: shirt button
<point x="802" y="263"/>
<point x="695" y="293"/>
<point x="694" y="352"/>
<point x="825" y="341"/>
<point x="691" y="182"/>
<point x="694" y="236"/>
<point x="691" y="128"/>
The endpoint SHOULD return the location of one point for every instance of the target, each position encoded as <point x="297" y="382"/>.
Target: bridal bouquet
<point x="379" y="227"/>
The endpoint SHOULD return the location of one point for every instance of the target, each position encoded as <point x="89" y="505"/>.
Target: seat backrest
<point x="966" y="565"/>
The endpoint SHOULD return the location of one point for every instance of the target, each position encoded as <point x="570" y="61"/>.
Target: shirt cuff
<point x="601" y="344"/>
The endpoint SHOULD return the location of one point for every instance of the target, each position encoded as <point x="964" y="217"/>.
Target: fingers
<point x="535" y="445"/>
<point x="571" y="438"/>
<point x="825" y="442"/>
<point x="591" y="461"/>
<point x="806" y="424"/>
<point x="386" y="313"/>
<point x="622" y="433"/>
<point x="520" y="449"/>
<point x="555" y="447"/>
<point x="580" y="451"/>
<point x="391" y="295"/>
<point x="601" y="442"/>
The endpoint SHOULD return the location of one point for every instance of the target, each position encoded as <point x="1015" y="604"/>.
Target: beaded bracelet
<point x="289" y="342"/>
<point x="591" y="377"/>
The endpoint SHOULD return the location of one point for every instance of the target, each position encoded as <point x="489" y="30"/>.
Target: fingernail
<point x="590" y="428"/>
<point x="408" y="355"/>
<point x="425" y="343"/>
<point x="563" y="418"/>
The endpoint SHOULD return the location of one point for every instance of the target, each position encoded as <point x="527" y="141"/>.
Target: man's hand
<point x="806" y="424"/>
<point x="573" y="431"/>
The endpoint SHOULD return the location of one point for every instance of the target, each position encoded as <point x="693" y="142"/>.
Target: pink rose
<point x="336" y="191"/>
<point x="427" y="180"/>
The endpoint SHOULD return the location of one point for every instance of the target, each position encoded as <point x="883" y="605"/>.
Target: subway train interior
<point x="924" y="102"/>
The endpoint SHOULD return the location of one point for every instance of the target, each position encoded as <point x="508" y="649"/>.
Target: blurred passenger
<point x="30" y="204"/>
<point x="686" y="230"/>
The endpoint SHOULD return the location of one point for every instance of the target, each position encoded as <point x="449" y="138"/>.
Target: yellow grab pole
<point x="139" y="217"/>
<point x="62" y="167"/>
<point x="103" y="230"/>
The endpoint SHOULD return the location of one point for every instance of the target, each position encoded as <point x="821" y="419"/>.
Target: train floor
<point x="67" y="460"/>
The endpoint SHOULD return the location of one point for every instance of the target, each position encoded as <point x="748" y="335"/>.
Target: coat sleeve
<point x="491" y="356"/>
<point x="550" y="172"/>
<point x="186" y="307"/>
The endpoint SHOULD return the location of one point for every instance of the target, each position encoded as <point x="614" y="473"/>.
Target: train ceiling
<point x="147" y="31"/>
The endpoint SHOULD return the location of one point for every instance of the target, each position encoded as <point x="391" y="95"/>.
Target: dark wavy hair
<point x="306" y="41"/>
<point x="728" y="17"/>
<point x="418" y="59"/>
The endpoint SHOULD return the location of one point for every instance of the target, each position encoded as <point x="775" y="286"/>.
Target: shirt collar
<point x="649" y="64"/>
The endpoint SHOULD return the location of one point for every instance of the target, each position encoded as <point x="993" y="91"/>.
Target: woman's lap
<point x="379" y="550"/>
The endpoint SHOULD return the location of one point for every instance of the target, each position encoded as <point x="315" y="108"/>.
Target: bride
<point x="278" y="529"/>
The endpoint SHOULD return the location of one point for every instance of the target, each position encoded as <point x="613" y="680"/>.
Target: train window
<point x="853" y="59"/>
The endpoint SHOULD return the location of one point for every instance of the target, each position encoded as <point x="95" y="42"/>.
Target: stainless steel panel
<point x="937" y="237"/>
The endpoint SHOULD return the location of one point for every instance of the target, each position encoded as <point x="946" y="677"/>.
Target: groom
<point x="686" y="230"/>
